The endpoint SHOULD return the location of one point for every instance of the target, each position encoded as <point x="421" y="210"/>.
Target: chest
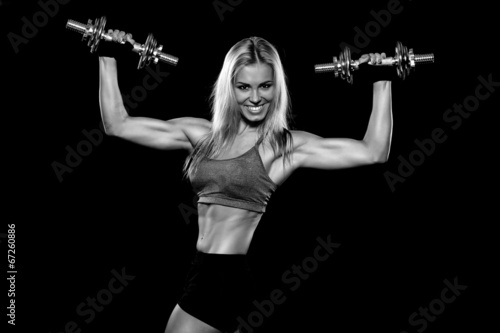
<point x="270" y="162"/>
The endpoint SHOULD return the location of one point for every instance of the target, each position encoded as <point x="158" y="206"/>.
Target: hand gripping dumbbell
<point x="95" y="32"/>
<point x="404" y="60"/>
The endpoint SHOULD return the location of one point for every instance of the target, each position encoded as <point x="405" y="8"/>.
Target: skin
<point x="228" y="230"/>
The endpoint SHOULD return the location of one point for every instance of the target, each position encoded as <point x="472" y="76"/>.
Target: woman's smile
<point x="255" y="109"/>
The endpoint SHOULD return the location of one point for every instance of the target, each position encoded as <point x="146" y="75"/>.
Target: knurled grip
<point x="76" y="26"/>
<point x="323" y="68"/>
<point x="427" y="58"/>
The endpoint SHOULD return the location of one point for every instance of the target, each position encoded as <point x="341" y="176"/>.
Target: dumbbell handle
<point x="390" y="61"/>
<point x="385" y="62"/>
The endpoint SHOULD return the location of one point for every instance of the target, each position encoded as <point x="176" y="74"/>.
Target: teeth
<point x="254" y="108"/>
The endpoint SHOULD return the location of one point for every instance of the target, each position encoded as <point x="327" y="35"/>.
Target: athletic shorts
<point x="218" y="289"/>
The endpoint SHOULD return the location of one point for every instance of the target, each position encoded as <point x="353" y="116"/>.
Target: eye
<point x="242" y="87"/>
<point x="266" y="86"/>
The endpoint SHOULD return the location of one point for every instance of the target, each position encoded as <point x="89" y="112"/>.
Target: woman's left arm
<point x="312" y="151"/>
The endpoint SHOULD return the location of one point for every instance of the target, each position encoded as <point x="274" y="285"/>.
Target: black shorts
<point x="218" y="289"/>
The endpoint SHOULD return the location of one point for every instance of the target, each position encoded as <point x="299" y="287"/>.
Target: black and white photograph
<point x="249" y="166"/>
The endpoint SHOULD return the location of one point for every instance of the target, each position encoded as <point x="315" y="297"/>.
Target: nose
<point x="255" y="98"/>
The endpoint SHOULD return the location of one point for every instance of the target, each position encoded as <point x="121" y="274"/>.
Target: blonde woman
<point x="236" y="161"/>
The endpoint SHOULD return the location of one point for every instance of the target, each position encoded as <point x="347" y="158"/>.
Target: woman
<point x="236" y="161"/>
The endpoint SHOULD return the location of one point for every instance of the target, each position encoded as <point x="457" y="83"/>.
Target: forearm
<point x="379" y="132"/>
<point x="113" y="111"/>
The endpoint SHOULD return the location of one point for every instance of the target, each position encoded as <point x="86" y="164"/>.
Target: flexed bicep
<point x="178" y="133"/>
<point x="313" y="151"/>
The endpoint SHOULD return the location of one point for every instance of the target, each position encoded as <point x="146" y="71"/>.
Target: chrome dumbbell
<point x="404" y="61"/>
<point x="148" y="51"/>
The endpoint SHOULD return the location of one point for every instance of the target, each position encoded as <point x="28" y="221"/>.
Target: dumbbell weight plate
<point x="345" y="60"/>
<point x="406" y="63"/>
<point x="97" y="32"/>
<point x="147" y="53"/>
<point x="403" y="65"/>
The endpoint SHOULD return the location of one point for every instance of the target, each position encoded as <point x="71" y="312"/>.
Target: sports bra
<point x="240" y="182"/>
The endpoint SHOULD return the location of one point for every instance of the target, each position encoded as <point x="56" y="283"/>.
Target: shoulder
<point x="302" y="137"/>
<point x="193" y="128"/>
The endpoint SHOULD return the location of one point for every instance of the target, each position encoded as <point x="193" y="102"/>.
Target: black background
<point x="119" y="208"/>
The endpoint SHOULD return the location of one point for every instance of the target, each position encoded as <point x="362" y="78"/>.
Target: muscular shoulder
<point x="302" y="137"/>
<point x="193" y="128"/>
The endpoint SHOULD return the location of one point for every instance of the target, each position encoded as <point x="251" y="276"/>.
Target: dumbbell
<point x="404" y="61"/>
<point x="95" y="32"/>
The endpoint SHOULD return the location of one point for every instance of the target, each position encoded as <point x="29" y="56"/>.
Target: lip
<point x="260" y="107"/>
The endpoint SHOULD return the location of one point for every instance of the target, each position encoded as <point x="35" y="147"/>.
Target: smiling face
<point x="254" y="91"/>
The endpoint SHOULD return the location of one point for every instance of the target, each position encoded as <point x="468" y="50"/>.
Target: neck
<point x="248" y="127"/>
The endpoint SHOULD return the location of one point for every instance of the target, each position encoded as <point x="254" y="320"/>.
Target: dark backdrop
<point x="126" y="208"/>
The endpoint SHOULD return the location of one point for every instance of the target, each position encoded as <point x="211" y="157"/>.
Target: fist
<point x="120" y="36"/>
<point x="372" y="58"/>
<point x="111" y="49"/>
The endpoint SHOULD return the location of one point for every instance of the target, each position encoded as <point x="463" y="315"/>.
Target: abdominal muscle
<point x="225" y="230"/>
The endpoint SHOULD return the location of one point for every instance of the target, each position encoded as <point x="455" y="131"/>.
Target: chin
<point x="254" y="118"/>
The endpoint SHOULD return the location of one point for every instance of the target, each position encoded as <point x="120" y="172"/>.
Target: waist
<point x="219" y="259"/>
<point x="253" y="206"/>
<point x="225" y="230"/>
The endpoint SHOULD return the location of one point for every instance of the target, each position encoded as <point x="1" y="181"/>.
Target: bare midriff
<point x="225" y="230"/>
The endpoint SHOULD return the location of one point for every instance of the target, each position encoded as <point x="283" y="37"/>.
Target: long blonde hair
<point x="225" y="110"/>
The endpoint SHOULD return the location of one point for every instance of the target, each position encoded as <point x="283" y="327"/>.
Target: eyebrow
<point x="246" y="84"/>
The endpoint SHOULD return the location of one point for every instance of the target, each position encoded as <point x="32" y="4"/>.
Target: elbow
<point x="113" y="117"/>
<point x="378" y="157"/>
<point x="111" y="129"/>
<point x="377" y="154"/>
<point x="381" y="159"/>
<point x="108" y="129"/>
<point x="113" y="125"/>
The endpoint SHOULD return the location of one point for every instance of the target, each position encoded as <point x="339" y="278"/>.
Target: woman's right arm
<point x="178" y="133"/>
